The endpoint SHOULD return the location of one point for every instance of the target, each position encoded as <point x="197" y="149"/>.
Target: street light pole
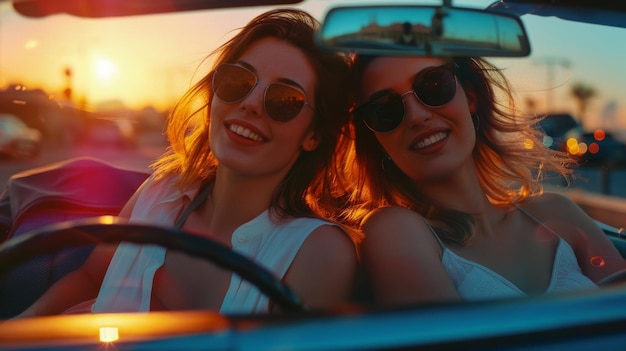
<point x="550" y="63"/>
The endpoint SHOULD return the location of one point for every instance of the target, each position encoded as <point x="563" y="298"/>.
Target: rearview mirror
<point x="423" y="31"/>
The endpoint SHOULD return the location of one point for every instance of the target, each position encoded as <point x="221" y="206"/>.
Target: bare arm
<point x="403" y="259"/>
<point x="596" y="254"/>
<point x="76" y="287"/>
<point x="323" y="271"/>
<point x="81" y="285"/>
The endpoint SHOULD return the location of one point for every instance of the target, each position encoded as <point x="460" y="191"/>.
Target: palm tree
<point x="582" y="93"/>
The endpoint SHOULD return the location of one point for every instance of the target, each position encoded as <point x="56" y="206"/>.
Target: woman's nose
<point x="415" y="113"/>
<point x="253" y="102"/>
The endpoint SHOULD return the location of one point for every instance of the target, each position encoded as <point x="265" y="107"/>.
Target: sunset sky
<point x="111" y="59"/>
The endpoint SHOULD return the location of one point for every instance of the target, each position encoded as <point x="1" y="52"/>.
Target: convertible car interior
<point x="52" y="216"/>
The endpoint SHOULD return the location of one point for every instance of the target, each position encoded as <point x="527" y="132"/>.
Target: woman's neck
<point x="463" y="192"/>
<point x="236" y="200"/>
<point x="459" y="190"/>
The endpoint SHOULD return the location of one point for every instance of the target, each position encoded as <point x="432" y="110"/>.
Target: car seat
<point x="76" y="188"/>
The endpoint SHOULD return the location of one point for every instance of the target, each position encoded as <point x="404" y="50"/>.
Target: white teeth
<point x="431" y="140"/>
<point x="245" y="132"/>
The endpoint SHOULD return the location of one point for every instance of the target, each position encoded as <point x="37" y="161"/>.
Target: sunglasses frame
<point x="450" y="66"/>
<point x="266" y="86"/>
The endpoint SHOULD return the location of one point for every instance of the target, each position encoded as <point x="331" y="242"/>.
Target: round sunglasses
<point x="232" y="83"/>
<point x="433" y="87"/>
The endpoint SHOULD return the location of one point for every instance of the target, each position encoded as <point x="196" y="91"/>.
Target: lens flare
<point x="597" y="261"/>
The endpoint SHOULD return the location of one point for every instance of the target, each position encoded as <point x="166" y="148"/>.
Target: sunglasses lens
<point x="436" y="87"/>
<point x="382" y="114"/>
<point x="283" y="102"/>
<point x="231" y="83"/>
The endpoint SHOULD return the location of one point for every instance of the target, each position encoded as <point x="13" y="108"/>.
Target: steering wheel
<point x="112" y="230"/>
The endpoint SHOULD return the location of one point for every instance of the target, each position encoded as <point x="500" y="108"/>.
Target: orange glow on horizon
<point x="31" y="44"/>
<point x="158" y="57"/>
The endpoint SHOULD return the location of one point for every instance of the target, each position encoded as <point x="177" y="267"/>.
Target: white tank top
<point x="127" y="285"/>
<point x="474" y="281"/>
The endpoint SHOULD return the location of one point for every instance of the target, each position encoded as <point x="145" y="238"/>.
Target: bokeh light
<point x="548" y="141"/>
<point x="528" y="144"/>
<point x="599" y="134"/>
<point x="597" y="261"/>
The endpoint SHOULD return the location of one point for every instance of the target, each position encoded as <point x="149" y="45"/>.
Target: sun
<point x="105" y="69"/>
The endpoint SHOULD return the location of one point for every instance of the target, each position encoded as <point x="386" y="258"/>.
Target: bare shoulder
<point x="329" y="241"/>
<point x="392" y="215"/>
<point x="324" y="268"/>
<point x="394" y="231"/>
<point x="565" y="217"/>
<point x="552" y="205"/>
<point x="402" y="258"/>
<point x="551" y="199"/>
<point x="393" y="220"/>
<point x="572" y="223"/>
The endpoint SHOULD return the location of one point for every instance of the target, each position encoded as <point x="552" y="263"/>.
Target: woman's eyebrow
<point x="246" y="65"/>
<point x="291" y="82"/>
<point x="378" y="94"/>
<point x="280" y="80"/>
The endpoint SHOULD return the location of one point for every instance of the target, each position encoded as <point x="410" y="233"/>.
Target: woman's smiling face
<point x="243" y="136"/>
<point x="430" y="142"/>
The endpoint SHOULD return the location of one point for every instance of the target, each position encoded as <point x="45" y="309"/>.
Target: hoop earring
<point x="476" y="120"/>
<point x="386" y="158"/>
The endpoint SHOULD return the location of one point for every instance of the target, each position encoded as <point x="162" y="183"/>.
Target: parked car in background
<point x="559" y="127"/>
<point x="591" y="148"/>
<point x="109" y="132"/>
<point x="30" y="105"/>
<point x="599" y="148"/>
<point x="18" y="139"/>
<point x="37" y="109"/>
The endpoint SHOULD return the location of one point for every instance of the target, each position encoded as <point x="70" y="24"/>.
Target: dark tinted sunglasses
<point x="433" y="87"/>
<point x="232" y="83"/>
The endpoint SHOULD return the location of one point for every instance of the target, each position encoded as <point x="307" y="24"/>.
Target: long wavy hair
<point x="308" y="188"/>
<point x="509" y="154"/>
